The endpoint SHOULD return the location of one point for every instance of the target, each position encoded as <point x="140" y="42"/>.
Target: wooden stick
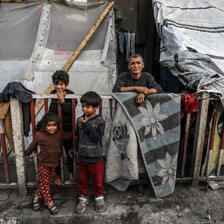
<point x="77" y="52"/>
<point x="86" y="39"/>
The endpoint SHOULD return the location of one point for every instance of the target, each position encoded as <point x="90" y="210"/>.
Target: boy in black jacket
<point x="90" y="130"/>
<point x="60" y="80"/>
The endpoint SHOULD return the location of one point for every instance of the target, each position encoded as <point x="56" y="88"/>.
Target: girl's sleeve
<point x="95" y="134"/>
<point x="33" y="145"/>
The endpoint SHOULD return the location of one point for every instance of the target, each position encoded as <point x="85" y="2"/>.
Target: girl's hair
<point x="46" y="118"/>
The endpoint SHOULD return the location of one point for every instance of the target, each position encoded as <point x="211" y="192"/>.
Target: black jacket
<point x="89" y="139"/>
<point x="66" y="109"/>
<point x="19" y="91"/>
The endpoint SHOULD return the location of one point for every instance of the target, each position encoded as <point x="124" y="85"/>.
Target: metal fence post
<point x="199" y="137"/>
<point x="18" y="138"/>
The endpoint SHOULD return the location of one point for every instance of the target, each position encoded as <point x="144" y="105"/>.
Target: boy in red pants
<point x="90" y="130"/>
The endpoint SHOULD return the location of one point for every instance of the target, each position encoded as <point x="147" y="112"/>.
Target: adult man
<point x="136" y="80"/>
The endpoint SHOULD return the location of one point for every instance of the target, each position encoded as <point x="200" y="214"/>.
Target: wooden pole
<point x="199" y="137"/>
<point x="18" y="139"/>
<point x="77" y="52"/>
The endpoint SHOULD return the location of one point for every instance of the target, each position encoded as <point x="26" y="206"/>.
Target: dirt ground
<point x="186" y="205"/>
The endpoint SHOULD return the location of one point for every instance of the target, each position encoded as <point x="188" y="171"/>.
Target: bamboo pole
<point x="77" y="52"/>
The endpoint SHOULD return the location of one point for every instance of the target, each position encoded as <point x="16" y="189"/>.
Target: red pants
<point x="45" y="175"/>
<point x="96" y="171"/>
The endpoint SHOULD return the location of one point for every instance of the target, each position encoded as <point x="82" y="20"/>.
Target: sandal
<point x="53" y="209"/>
<point x="36" y="206"/>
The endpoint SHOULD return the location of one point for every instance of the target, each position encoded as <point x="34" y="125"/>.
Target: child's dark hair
<point x="60" y="75"/>
<point x="45" y="119"/>
<point x="91" y="98"/>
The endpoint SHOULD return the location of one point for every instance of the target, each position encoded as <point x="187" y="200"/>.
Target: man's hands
<point x="142" y="92"/>
<point x="61" y="96"/>
<point x="140" y="98"/>
<point x="145" y="90"/>
<point x="72" y="153"/>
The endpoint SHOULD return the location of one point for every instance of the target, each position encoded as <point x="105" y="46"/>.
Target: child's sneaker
<point x="100" y="205"/>
<point x="81" y="207"/>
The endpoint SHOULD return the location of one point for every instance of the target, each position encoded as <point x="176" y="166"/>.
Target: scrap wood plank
<point x="77" y="52"/>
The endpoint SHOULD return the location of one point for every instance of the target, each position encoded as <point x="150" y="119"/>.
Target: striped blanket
<point x="154" y="129"/>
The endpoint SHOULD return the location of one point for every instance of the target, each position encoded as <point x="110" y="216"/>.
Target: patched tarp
<point x="38" y="37"/>
<point x="192" y="35"/>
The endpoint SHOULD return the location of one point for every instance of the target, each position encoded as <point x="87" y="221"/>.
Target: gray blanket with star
<point x="154" y="129"/>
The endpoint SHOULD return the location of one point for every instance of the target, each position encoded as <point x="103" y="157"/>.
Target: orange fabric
<point x="3" y="110"/>
<point x="8" y="129"/>
<point x="5" y="114"/>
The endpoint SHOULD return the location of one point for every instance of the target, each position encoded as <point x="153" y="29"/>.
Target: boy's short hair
<point x="60" y="75"/>
<point x="91" y="98"/>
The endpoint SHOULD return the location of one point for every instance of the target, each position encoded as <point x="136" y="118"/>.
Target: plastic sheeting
<point x="192" y="35"/>
<point x="18" y="26"/>
<point x="38" y="38"/>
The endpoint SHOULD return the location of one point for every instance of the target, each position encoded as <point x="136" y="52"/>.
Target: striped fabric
<point x="157" y="127"/>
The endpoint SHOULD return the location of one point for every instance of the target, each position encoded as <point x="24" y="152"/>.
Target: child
<point x="60" y="80"/>
<point x="48" y="138"/>
<point x="90" y="130"/>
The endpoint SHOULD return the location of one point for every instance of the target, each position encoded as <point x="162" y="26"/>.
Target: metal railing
<point x="18" y="138"/>
<point x="200" y="154"/>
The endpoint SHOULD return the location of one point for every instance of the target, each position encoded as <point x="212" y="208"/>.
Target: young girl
<point x="48" y="138"/>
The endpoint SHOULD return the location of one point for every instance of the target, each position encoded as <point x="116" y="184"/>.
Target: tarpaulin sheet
<point x="192" y="35"/>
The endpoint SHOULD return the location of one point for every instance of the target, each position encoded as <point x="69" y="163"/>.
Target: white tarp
<point x="38" y="37"/>
<point x="192" y="36"/>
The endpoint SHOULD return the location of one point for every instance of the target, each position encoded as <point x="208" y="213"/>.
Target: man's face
<point x="135" y="66"/>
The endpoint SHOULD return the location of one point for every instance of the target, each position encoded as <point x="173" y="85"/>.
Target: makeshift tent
<point x="191" y="46"/>
<point x="38" y="37"/>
